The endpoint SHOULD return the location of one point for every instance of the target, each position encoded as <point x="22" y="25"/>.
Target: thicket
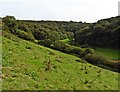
<point x="104" y="33"/>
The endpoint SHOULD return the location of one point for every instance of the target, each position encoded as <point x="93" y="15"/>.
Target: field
<point x="28" y="66"/>
<point x="108" y="53"/>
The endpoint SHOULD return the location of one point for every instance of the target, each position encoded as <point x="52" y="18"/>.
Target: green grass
<point x="67" y="41"/>
<point x="0" y="61"/>
<point x="24" y="65"/>
<point x="108" y="53"/>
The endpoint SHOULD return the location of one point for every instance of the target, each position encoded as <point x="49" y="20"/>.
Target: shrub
<point x="25" y="35"/>
<point x="54" y="36"/>
<point x="71" y="49"/>
<point x="67" y="48"/>
<point x="103" y="62"/>
<point x="95" y="59"/>
<point x="7" y="34"/>
<point x="76" y="50"/>
<point x="46" y="42"/>
<point x="88" y="51"/>
<point x="23" y="27"/>
<point x="58" y="46"/>
<point x="82" y="52"/>
<point x="114" y="65"/>
<point x="10" y="22"/>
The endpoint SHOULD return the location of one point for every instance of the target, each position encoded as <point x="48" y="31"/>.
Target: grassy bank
<point x="25" y="67"/>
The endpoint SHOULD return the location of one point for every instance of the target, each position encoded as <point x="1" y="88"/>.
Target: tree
<point x="54" y="36"/>
<point x="11" y="23"/>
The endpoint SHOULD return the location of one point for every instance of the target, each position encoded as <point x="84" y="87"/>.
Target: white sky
<point x="66" y="10"/>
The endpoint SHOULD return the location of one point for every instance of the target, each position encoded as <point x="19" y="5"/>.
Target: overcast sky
<point x="63" y="10"/>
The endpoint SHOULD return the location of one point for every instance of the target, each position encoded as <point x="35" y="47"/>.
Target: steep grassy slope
<point x="24" y="65"/>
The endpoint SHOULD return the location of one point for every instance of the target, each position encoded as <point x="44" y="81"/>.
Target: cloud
<point x="76" y="10"/>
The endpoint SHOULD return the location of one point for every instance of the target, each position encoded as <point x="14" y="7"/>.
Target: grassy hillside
<point x="25" y="66"/>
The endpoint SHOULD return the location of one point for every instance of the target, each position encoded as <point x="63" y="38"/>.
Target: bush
<point x="89" y="50"/>
<point x="67" y="48"/>
<point x="95" y="59"/>
<point x="58" y="46"/>
<point x="23" y="27"/>
<point x="46" y="42"/>
<point x="54" y="36"/>
<point x="114" y="65"/>
<point x="25" y="35"/>
<point x="71" y="49"/>
<point x="103" y="62"/>
<point x="10" y="22"/>
<point x="76" y="50"/>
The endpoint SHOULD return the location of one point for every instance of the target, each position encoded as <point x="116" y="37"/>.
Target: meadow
<point x="108" y="53"/>
<point x="24" y="68"/>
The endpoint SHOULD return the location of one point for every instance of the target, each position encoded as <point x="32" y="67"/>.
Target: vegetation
<point x="58" y="55"/>
<point x="111" y="54"/>
<point x="104" y="33"/>
<point x="25" y="67"/>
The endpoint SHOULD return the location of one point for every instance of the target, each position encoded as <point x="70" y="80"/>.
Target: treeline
<point x="33" y="30"/>
<point x="47" y="33"/>
<point x="104" y="33"/>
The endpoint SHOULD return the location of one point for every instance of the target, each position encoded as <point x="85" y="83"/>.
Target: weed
<point x="48" y="65"/>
